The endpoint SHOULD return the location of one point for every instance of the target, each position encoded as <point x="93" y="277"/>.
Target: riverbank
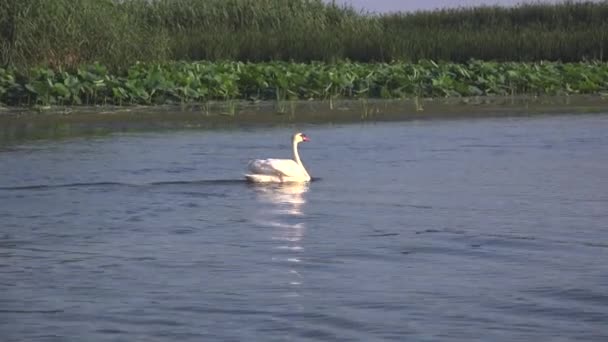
<point x="202" y="82"/>
<point x="23" y="124"/>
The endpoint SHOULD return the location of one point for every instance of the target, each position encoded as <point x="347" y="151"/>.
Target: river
<point x="465" y="229"/>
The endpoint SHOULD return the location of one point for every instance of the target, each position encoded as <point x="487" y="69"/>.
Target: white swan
<point x="280" y="170"/>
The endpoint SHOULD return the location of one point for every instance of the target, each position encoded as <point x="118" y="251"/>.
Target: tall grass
<point x="570" y="31"/>
<point x="66" y="33"/>
<point x="118" y="33"/>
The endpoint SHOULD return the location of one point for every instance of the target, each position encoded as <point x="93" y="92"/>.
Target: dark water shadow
<point x="209" y="182"/>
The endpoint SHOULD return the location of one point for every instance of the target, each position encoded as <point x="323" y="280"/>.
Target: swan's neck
<point x="296" y="157"/>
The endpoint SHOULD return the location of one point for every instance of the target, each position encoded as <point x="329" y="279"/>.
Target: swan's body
<point x="280" y="170"/>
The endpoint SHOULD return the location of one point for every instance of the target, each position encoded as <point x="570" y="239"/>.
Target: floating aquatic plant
<point x="200" y="82"/>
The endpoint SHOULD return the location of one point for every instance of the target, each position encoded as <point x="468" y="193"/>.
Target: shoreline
<point x="409" y="107"/>
<point x="19" y="125"/>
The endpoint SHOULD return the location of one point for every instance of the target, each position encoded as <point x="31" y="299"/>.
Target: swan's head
<point x="299" y="137"/>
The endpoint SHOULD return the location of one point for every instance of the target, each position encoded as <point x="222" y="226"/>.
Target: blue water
<point x="440" y="230"/>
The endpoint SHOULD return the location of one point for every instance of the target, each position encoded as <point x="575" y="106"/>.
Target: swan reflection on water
<point x="288" y="198"/>
<point x="285" y="216"/>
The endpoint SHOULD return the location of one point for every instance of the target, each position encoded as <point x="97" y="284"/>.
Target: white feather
<point x="279" y="170"/>
<point x="275" y="167"/>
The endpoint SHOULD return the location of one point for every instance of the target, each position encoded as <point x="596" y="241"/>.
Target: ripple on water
<point x="405" y="238"/>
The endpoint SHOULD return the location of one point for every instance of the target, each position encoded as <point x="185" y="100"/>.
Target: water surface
<point x="442" y="230"/>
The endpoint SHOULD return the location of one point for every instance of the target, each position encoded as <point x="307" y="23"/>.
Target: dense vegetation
<point x="65" y="34"/>
<point x="182" y="82"/>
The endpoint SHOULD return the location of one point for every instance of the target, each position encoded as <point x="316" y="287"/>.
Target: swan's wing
<point x="275" y="167"/>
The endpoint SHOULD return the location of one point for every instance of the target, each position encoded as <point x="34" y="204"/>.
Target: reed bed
<point x="201" y="82"/>
<point x="64" y="34"/>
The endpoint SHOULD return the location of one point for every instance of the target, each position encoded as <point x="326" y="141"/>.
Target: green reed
<point x="64" y="34"/>
<point x="67" y="33"/>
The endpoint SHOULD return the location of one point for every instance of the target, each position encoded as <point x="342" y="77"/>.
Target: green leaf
<point x="61" y="90"/>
